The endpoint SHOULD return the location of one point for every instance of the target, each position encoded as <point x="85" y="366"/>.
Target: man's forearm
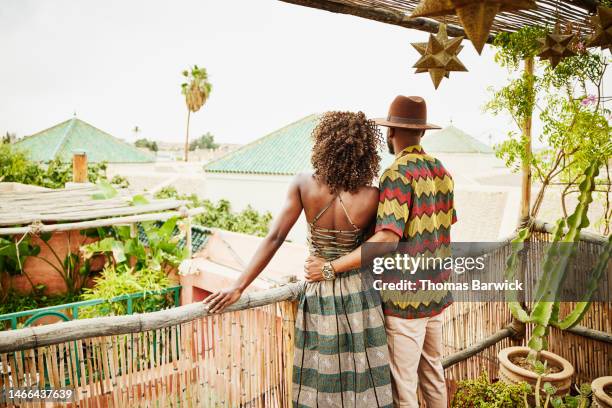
<point x="347" y="262"/>
<point x="388" y="242"/>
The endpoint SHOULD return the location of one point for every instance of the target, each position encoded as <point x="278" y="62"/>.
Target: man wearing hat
<point x="415" y="209"/>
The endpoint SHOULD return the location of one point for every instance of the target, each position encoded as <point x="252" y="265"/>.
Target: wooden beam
<point x="511" y="332"/>
<point x="591" y="334"/>
<point x="382" y="15"/>
<point x="589" y="5"/>
<point x="38" y="336"/>
<point x="103" y="222"/>
<point x="476" y="348"/>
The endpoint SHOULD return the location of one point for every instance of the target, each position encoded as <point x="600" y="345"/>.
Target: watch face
<point x="328" y="272"/>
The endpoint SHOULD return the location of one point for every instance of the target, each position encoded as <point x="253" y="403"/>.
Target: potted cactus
<point x="519" y="363"/>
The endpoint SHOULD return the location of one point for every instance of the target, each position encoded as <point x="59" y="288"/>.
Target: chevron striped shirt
<point x="416" y="203"/>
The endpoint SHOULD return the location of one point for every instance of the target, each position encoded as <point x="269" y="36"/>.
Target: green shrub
<point x="206" y="141"/>
<point x="18" y="302"/>
<point x="114" y="282"/>
<point x="220" y="214"/>
<point x="482" y="393"/>
<point x="16" y="167"/>
<point x="147" y="144"/>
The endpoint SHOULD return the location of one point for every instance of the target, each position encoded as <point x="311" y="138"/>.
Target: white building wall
<point x="262" y="192"/>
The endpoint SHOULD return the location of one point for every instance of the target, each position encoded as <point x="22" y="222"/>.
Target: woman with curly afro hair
<point x="341" y="357"/>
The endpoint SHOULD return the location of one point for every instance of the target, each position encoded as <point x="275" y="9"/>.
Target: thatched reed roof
<point x="78" y="208"/>
<point x="398" y="12"/>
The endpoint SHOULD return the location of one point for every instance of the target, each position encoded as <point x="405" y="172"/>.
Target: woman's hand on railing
<point x="218" y="301"/>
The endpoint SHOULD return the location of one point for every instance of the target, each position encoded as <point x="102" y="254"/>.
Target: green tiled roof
<point x="60" y="141"/>
<point x="453" y="140"/>
<point x="287" y="151"/>
<point x="283" y="152"/>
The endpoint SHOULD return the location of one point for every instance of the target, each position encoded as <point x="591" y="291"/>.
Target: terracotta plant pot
<point x="513" y="374"/>
<point x="602" y="392"/>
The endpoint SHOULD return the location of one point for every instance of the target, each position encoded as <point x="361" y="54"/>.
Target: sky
<point x="117" y="64"/>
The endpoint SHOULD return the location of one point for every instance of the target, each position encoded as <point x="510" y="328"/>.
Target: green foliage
<point x="481" y="393"/>
<point x="220" y="215"/>
<point x="197" y="80"/>
<point x="512" y="48"/>
<point x="105" y="191"/>
<point x="133" y="266"/>
<point x="206" y="141"/>
<point x="72" y="269"/>
<point x="547" y="392"/>
<point x="17" y="302"/>
<point x="14" y="253"/>
<point x="16" y="167"/>
<point x="8" y="138"/>
<point x="147" y="144"/>
<point x="114" y="282"/>
<point x="125" y="251"/>
<point x="518" y="99"/>
<point x="568" y="102"/>
<point x="120" y="181"/>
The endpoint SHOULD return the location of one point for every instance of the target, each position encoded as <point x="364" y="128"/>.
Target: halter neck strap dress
<point x="341" y="357"/>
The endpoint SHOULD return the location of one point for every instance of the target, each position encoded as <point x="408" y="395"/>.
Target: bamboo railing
<point x="243" y="357"/>
<point x="180" y="357"/>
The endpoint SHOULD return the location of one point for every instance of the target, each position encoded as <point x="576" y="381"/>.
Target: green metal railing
<point x="59" y="310"/>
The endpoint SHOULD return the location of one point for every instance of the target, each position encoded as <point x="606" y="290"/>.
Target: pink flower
<point x="580" y="47"/>
<point x="589" y="100"/>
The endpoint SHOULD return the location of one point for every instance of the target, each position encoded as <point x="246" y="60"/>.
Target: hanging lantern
<point x="556" y="46"/>
<point x="476" y="16"/>
<point x="603" y="29"/>
<point x="439" y="56"/>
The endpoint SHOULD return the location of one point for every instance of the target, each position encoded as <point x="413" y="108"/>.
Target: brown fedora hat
<point x="409" y="112"/>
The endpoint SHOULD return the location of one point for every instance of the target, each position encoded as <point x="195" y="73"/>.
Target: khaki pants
<point x="415" y="348"/>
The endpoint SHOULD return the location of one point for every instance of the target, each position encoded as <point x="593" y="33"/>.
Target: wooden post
<point x="525" y="208"/>
<point x="79" y="167"/>
<point x="526" y="167"/>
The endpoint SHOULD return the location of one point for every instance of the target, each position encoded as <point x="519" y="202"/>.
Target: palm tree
<point x="196" y="90"/>
<point x="136" y="131"/>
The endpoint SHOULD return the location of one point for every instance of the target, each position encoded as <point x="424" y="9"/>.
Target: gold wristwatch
<point x="328" y="271"/>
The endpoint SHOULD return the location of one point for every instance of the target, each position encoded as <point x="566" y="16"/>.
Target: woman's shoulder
<point x="303" y="179"/>
<point x="304" y="175"/>
<point x="370" y="191"/>
<point x="372" y="194"/>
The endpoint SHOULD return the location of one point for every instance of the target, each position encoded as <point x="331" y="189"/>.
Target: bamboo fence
<point x="588" y="347"/>
<point x="243" y="358"/>
<point x="233" y="359"/>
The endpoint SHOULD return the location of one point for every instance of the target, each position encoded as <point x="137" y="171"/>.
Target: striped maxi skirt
<point x="341" y="356"/>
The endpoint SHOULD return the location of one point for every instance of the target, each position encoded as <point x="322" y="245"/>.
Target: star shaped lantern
<point x="439" y="56"/>
<point x="556" y="46"/>
<point x="476" y="16"/>
<point x="603" y="29"/>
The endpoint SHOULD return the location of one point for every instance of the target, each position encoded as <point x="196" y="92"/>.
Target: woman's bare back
<point x="361" y="205"/>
